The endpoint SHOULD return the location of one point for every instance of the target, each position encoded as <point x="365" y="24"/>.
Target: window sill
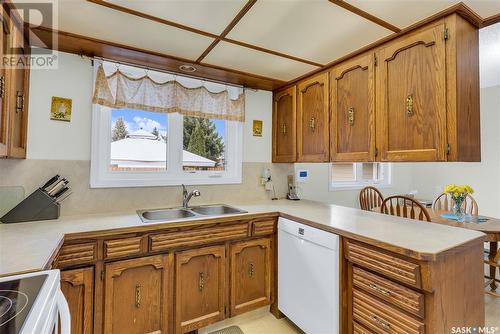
<point x="332" y="188"/>
<point x="188" y="181"/>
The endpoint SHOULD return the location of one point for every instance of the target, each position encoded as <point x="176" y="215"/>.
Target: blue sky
<point x="137" y="119"/>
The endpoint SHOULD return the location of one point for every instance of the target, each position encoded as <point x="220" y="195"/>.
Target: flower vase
<point x="458" y="209"/>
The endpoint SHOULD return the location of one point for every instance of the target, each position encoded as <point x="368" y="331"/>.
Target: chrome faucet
<point x="186" y="196"/>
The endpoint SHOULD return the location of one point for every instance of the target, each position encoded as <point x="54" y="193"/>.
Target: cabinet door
<point x="284" y="126"/>
<point x="17" y="93"/>
<point x="77" y="286"/>
<point x="352" y="121"/>
<point x="411" y="97"/>
<point x="313" y="120"/>
<point x="200" y="287"/>
<point x="250" y="275"/>
<point x="4" y="37"/>
<point x="136" y="295"/>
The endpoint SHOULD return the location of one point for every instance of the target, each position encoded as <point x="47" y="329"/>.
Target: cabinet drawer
<point x="394" y="293"/>
<point x="122" y="247"/>
<point x="264" y="227"/>
<point x="382" y="318"/>
<point x="359" y="329"/>
<point x="198" y="236"/>
<point x="390" y="266"/>
<point x="76" y="254"/>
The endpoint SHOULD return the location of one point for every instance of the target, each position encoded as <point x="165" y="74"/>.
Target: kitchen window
<point x="133" y="147"/>
<point x="346" y="176"/>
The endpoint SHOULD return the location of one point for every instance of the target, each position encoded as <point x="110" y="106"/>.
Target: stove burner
<point x="12" y="303"/>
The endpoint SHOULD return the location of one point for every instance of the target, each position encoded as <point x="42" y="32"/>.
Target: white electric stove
<point x="33" y="304"/>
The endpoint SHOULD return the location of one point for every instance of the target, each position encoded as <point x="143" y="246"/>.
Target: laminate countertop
<point x="30" y="246"/>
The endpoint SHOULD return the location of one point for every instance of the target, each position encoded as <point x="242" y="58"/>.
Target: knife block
<point x="37" y="206"/>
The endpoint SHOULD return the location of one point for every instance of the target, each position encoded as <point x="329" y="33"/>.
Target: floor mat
<point x="228" y="330"/>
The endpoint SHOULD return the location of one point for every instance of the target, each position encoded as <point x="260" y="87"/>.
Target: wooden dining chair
<point x="445" y="202"/>
<point x="369" y="198"/>
<point x="406" y="207"/>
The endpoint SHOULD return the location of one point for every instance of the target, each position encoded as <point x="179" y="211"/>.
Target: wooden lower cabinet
<point x="250" y="275"/>
<point x="200" y="287"/>
<point x="77" y="286"/>
<point x="136" y="295"/>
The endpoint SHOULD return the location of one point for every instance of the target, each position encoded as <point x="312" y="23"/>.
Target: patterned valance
<point x="118" y="90"/>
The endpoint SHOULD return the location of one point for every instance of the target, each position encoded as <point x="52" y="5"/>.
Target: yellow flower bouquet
<point x="458" y="193"/>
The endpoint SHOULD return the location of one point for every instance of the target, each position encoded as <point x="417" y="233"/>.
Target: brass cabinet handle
<point x="381" y="323"/>
<point x="19" y="101"/>
<point x="283" y="128"/>
<point x="350" y="116"/>
<point x="2" y="86"/>
<point x="201" y="281"/>
<point x="250" y="270"/>
<point x="312" y="123"/>
<point x="379" y="289"/>
<point x="409" y="105"/>
<point x="137" y="295"/>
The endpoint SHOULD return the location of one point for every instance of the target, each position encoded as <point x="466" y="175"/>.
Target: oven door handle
<point x="64" y="315"/>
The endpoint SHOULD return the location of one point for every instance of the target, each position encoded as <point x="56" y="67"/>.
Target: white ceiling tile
<point x="84" y="18"/>
<point x="485" y="8"/>
<point x="248" y="60"/>
<point x="315" y="30"/>
<point x="207" y="15"/>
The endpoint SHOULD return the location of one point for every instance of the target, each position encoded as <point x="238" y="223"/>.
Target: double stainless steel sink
<point x="176" y="214"/>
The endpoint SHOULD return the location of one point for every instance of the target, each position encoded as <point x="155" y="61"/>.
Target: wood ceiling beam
<point x="368" y="16"/>
<point x="229" y="27"/>
<point x="217" y="38"/>
<point x="92" y="47"/>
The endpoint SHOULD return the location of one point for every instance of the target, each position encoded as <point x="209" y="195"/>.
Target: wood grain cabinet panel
<point x="200" y="288"/>
<point x="284" y="126"/>
<point x="352" y="120"/>
<point x="382" y="318"/>
<point x="76" y="254"/>
<point x="4" y="38"/>
<point x="265" y="227"/>
<point x="122" y="247"/>
<point x="77" y="286"/>
<point x="250" y="275"/>
<point x="313" y="130"/>
<point x="411" y="97"/>
<point x="136" y="295"/>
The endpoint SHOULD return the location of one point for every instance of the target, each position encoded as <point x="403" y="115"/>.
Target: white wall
<point x="56" y="140"/>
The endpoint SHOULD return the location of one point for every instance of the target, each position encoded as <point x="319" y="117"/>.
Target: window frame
<point x="102" y="177"/>
<point x="359" y="183"/>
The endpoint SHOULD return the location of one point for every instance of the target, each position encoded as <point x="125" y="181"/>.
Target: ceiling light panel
<point x="315" y="30"/>
<point x="92" y="20"/>
<point x="212" y="16"/>
<point x="248" y="60"/>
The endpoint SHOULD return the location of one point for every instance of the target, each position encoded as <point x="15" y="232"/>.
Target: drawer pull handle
<point x="379" y="289"/>
<point x="381" y="323"/>
<point x="312" y="123"/>
<point x="409" y="105"/>
<point x="19" y="101"/>
<point x="283" y="128"/>
<point x="2" y="86"/>
<point x="201" y="281"/>
<point x="251" y="270"/>
<point x="350" y="116"/>
<point x="137" y="295"/>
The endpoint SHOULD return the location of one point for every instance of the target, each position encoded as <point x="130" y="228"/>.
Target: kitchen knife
<point x="50" y="182"/>
<point x="59" y="193"/>
<point x="63" y="197"/>
<point x="59" y="185"/>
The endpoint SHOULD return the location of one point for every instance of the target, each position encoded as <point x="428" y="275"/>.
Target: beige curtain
<point x="121" y="91"/>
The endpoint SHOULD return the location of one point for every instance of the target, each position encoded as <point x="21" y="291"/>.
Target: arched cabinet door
<point x="411" y="97"/>
<point x="77" y="286"/>
<point x="352" y="118"/>
<point x="284" y="126"/>
<point x="313" y="120"/>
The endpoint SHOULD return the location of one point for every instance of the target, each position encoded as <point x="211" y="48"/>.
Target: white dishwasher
<point x="308" y="277"/>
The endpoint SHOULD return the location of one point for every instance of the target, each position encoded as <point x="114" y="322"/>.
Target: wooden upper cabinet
<point x="313" y="119"/>
<point x="352" y="118"/>
<point x="200" y="276"/>
<point x="284" y="126"/>
<point x="250" y="275"/>
<point x="77" y="286"/>
<point x="411" y="97"/>
<point x="136" y="295"/>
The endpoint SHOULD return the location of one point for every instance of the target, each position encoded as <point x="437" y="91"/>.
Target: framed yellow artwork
<point x="60" y="109"/>
<point x="257" y="128"/>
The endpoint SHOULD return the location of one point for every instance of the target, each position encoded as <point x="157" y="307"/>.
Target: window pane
<point x="367" y="170"/>
<point x="204" y="144"/>
<point x="138" y="140"/>
<point x="343" y="172"/>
